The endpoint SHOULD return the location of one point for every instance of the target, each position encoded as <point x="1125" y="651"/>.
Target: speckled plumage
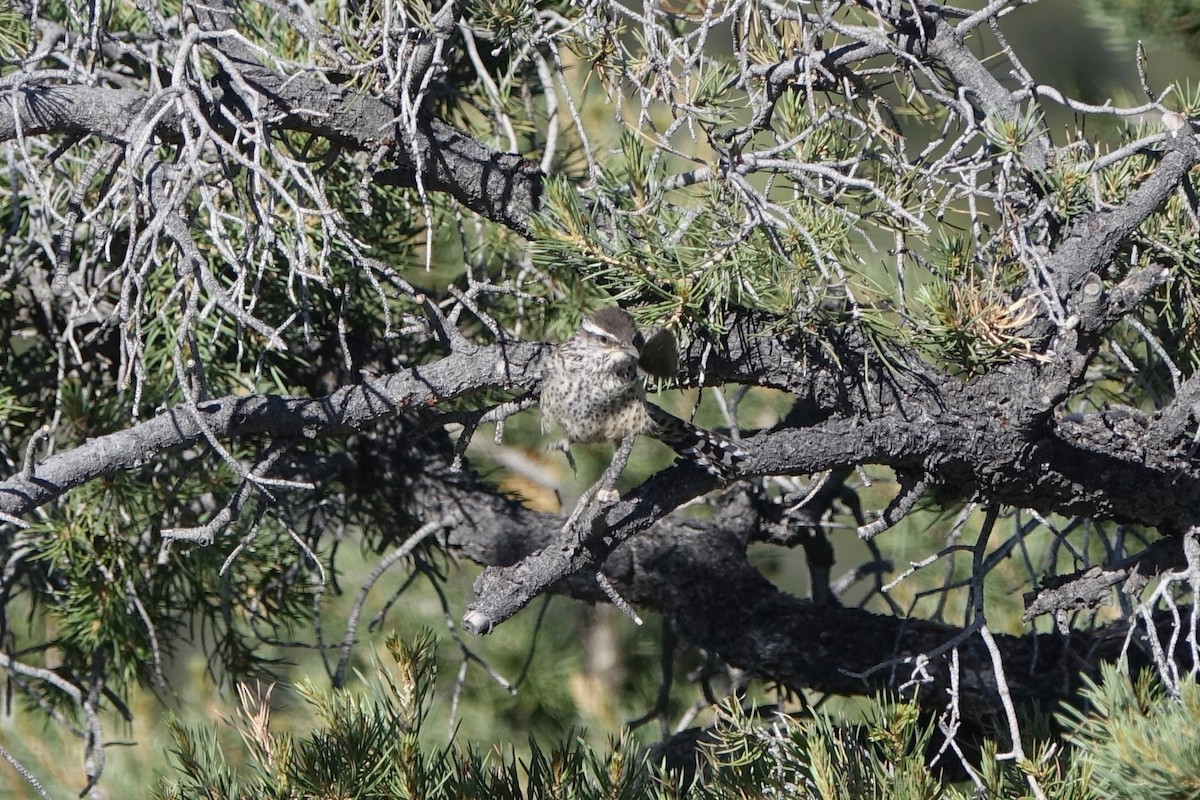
<point x="592" y="389"/>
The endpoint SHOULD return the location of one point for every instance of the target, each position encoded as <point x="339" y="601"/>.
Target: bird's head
<point x="613" y="328"/>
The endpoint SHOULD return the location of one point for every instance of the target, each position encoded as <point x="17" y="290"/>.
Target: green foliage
<point x="712" y="262"/>
<point x="512" y="21"/>
<point x="14" y="31"/>
<point x="1010" y="136"/>
<point x="1069" y="182"/>
<point x="1139" y="742"/>
<point x="1185" y="98"/>
<point x="367" y="744"/>
<point x="370" y="742"/>
<point x="968" y="322"/>
<point x="114" y="610"/>
<point x="1060" y="772"/>
<point x="972" y="326"/>
<point x="815" y="758"/>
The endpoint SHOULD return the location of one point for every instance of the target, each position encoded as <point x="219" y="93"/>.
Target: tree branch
<point x="503" y="187"/>
<point x="511" y="366"/>
<point x="696" y="575"/>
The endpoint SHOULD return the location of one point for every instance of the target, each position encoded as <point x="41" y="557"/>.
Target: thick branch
<point x="1095" y="239"/>
<point x="1172" y="423"/>
<point x="501" y="592"/>
<point x="512" y="366"/>
<point x="697" y="575"/>
<point x="503" y="187"/>
<point x="82" y="110"/>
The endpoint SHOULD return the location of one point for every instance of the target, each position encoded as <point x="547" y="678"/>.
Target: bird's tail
<point x="718" y="454"/>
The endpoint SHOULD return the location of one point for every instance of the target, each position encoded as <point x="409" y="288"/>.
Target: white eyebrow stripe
<point x="596" y="330"/>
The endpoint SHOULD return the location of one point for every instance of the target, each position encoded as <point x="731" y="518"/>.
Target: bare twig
<point x="912" y="487"/>
<point x="405" y="549"/>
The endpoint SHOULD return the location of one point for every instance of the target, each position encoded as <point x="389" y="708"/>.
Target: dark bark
<point x="697" y="576"/>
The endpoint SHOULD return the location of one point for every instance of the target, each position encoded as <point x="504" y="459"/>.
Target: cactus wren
<point x="591" y="387"/>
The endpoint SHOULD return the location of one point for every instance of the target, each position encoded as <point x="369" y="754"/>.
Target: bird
<point x="592" y="389"/>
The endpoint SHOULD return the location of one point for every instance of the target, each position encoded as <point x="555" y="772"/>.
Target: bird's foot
<point x="565" y="446"/>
